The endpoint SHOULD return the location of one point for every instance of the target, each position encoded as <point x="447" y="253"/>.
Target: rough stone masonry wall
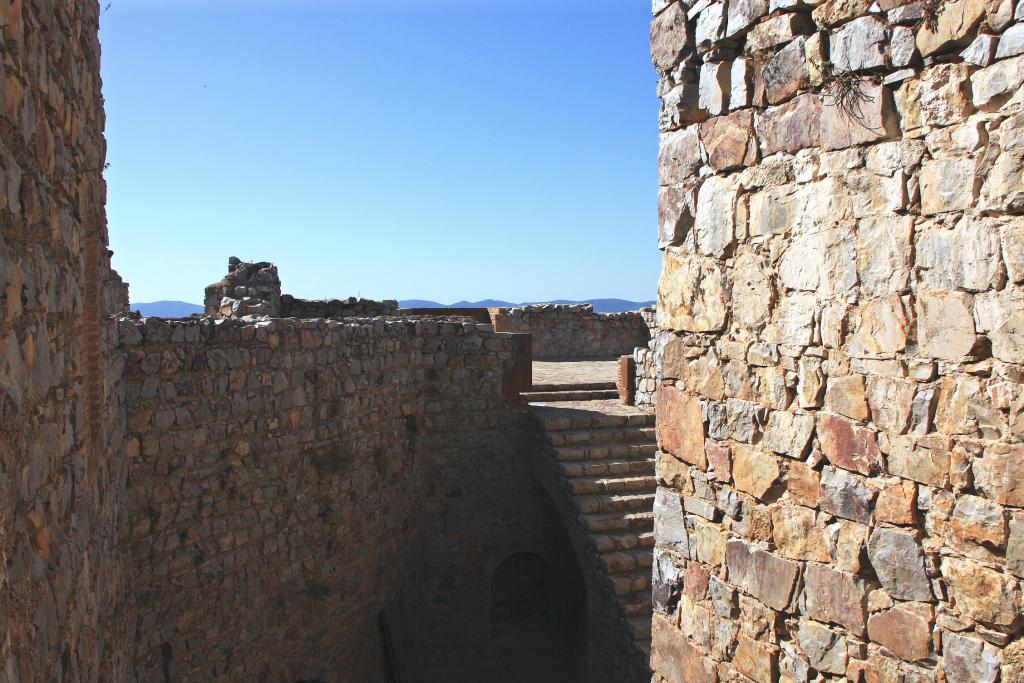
<point x="842" y="355"/>
<point x="289" y="479"/>
<point x="563" y="331"/>
<point x="61" y="475"/>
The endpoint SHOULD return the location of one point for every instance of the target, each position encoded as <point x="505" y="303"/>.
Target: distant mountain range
<point x="183" y="309"/>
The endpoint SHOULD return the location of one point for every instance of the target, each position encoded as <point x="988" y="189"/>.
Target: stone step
<point x="596" y="468"/>
<point x="611" y="451"/>
<point x="574" y="395"/>
<point x="588" y="437"/>
<point x="623" y="541"/>
<point x="632" y="582"/>
<point x="555" y="419"/>
<point x="630" y="502"/>
<point x="627" y="561"/>
<point x="637" y="605"/>
<point x="574" y="386"/>
<point x="638" y="522"/>
<point x="589" y="485"/>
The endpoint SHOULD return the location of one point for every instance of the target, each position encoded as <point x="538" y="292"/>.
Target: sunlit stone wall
<point x="840" y="361"/>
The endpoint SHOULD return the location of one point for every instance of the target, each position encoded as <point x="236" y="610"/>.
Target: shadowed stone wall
<point x="289" y="479"/>
<point x="842" y="341"/>
<point x="61" y="415"/>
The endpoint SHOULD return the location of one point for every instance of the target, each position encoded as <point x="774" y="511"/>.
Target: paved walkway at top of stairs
<point x="602" y="453"/>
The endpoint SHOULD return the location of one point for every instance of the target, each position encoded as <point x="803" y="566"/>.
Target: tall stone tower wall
<point x="841" y="353"/>
<point x="61" y="475"/>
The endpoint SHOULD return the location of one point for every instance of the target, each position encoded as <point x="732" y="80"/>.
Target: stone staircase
<point x="600" y="454"/>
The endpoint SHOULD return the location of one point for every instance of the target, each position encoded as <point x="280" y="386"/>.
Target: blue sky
<point x="434" y="149"/>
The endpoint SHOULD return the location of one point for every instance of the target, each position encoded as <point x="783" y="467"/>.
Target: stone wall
<point x="840" y="405"/>
<point x="574" y="331"/>
<point x="351" y="307"/>
<point x="289" y="479"/>
<point x="61" y="474"/>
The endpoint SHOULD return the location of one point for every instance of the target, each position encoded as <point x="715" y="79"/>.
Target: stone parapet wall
<point x="841" y="348"/>
<point x="351" y="307"/>
<point x="61" y="416"/>
<point x="563" y="331"/>
<point x="646" y="364"/>
<point x="291" y="478"/>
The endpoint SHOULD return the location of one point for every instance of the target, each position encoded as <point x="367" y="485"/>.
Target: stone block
<point x="1015" y="547"/>
<point x="845" y="495"/>
<point x="677" y="208"/>
<point x="743" y="14"/>
<point x="776" y="31"/>
<point x="788" y="433"/>
<point x="977" y="520"/>
<point x="991" y="86"/>
<point x="906" y="630"/>
<point x="798" y="535"/>
<point x="679" y="156"/>
<point x="825" y="648"/>
<point x="803" y="485"/>
<point x="898" y="560"/>
<point x="692" y="294"/>
<point x="670" y="38"/>
<point x="881" y="328"/>
<point x="754" y="472"/>
<point x="740" y="85"/>
<point x="848" y="397"/>
<point x="981" y="593"/>
<point x="903" y="47"/>
<point x="752" y="291"/>
<point x="675" y="658"/>
<point x="945" y="325"/>
<point x="756" y="660"/>
<point x="868" y="115"/>
<point x="848" y="445"/>
<point x="760" y="574"/>
<point x="892" y="403"/>
<point x="859" y="45"/>
<point x="680" y="426"/>
<point x="945" y="94"/>
<point x="884" y="254"/>
<point x="999" y="474"/>
<point x="715" y="87"/>
<point x="670" y="521"/>
<point x="710" y="26"/>
<point x="730" y="141"/>
<point x="787" y="72"/>
<point x="792" y="126"/>
<point x="1011" y="43"/>
<point x="954" y="26"/>
<point x="967" y="659"/>
<point x="835" y="597"/>
<point x="715" y="225"/>
<point x="897" y="504"/>
<point x="982" y="51"/>
<point x="1000" y="315"/>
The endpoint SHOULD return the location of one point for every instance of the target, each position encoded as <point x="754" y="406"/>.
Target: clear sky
<point x="431" y="149"/>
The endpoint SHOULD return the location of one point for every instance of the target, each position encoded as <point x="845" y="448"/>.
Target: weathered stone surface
<point x="982" y="51"/>
<point x="897" y="503"/>
<point x="675" y="658"/>
<point x="716" y="216"/>
<point x="859" y="44"/>
<point x="883" y="254"/>
<point x="892" y="402"/>
<point x="768" y="578"/>
<point x="792" y="126"/>
<point x="1011" y="43"/>
<point x="740" y="86"/>
<point x="679" y="156"/>
<point x="754" y="472"/>
<point x="844" y="495"/>
<point x="833" y="12"/>
<point x="670" y="39"/>
<point x="991" y="86"/>
<point x="1003" y="188"/>
<point x="978" y="520"/>
<point x="680" y="426"/>
<point x="743" y="14"/>
<point x="803" y="484"/>
<point x="955" y="24"/>
<point x="677" y="208"/>
<point x="846" y="396"/>
<point x="752" y="290"/>
<point x="788" y="433"/>
<point x="670" y="521"/>
<point x="1000" y="315"/>
<point x="730" y="140"/>
<point x="848" y="445"/>
<point x="692" y="294"/>
<point x="666" y="581"/>
<point x="906" y="630"/>
<point x="945" y="325"/>
<point x="898" y="561"/>
<point x="797" y="534"/>
<point x="778" y="30"/>
<point x="715" y="87"/>
<point x="825" y="648"/>
<point x="710" y="26"/>
<point x="1000" y="474"/>
<point x="923" y="461"/>
<point x="881" y="328"/>
<point x="903" y="47"/>
<point x="680" y="107"/>
<point x="835" y="597"/>
<point x="966" y="257"/>
<point x="793" y="321"/>
<point x="982" y="594"/>
<point x="787" y="72"/>
<point x="967" y="659"/>
<point x="1015" y="547"/>
<point x="869" y="117"/>
<point x="755" y="660"/>
<point x="948" y="185"/>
